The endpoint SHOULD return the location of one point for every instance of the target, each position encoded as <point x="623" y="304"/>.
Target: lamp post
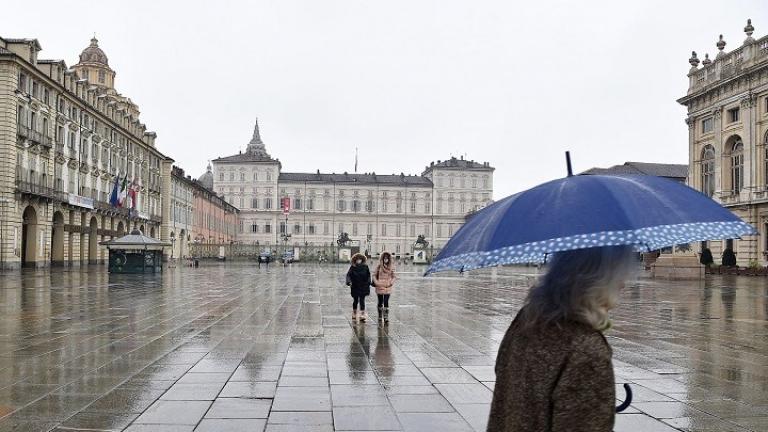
<point x="173" y="243"/>
<point x="3" y="203"/>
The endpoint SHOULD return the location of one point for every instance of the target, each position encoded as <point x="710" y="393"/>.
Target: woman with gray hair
<point x="554" y="371"/>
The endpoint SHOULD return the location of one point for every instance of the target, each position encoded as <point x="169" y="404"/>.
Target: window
<point x="255" y="203"/>
<point x="733" y="115"/>
<point x="311" y="228"/>
<point x="706" y="125"/>
<point x="254" y="228"/>
<point x="268" y="228"/>
<point x="268" y="203"/>
<point x="398" y="232"/>
<point x="282" y="228"/>
<point x="242" y="176"/>
<point x="255" y="176"/>
<point x="297" y="229"/>
<point x="326" y="228"/>
<point x="427" y="207"/>
<point x="221" y="176"/>
<point x="310" y="204"/>
<point x="269" y="176"/>
<point x="737" y="166"/>
<point x="426" y="230"/>
<point x="369" y="206"/>
<point x="766" y="158"/>
<point x="355" y="205"/>
<point x="413" y="230"/>
<point x="413" y="205"/>
<point x="383" y="229"/>
<point x="341" y="227"/>
<point x="708" y="171"/>
<point x="23" y="82"/>
<point x="297" y="203"/>
<point x="354" y="228"/>
<point x="341" y="205"/>
<point x="370" y="229"/>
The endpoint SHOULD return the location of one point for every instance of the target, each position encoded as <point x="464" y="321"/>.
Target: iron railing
<point x="34" y="188"/>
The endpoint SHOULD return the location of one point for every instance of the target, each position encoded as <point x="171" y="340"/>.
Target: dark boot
<point x="381" y="313"/>
<point x="386" y="314"/>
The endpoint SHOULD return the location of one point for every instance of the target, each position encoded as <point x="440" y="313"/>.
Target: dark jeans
<point x="357" y="300"/>
<point x="383" y="300"/>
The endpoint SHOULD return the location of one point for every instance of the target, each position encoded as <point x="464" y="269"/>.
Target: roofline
<point x="223" y="160"/>
<point x="63" y="89"/>
<point x="706" y="89"/>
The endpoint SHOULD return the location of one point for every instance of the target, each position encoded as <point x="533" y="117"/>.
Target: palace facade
<point x="378" y="211"/>
<point x="727" y="102"/>
<point x="65" y="135"/>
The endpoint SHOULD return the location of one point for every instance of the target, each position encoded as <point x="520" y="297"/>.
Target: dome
<point x="207" y="179"/>
<point x="94" y="54"/>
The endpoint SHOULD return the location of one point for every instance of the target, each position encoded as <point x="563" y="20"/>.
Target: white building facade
<point x="727" y="102"/>
<point x="378" y="212"/>
<point x="182" y="210"/>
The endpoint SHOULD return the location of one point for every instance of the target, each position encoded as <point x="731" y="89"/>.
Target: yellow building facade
<point x="66" y="138"/>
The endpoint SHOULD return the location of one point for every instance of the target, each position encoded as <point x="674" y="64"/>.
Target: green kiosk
<point x="135" y="253"/>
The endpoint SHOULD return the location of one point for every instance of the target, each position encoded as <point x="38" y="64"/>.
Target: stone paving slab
<point x="230" y="347"/>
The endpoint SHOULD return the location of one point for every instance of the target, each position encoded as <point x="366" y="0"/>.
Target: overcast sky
<point x="407" y="82"/>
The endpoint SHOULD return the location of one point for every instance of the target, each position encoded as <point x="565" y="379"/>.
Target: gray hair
<point x="580" y="285"/>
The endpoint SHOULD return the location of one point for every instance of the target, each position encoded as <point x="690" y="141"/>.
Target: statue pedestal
<point x="677" y="267"/>
<point x="345" y="254"/>
<point x="419" y="256"/>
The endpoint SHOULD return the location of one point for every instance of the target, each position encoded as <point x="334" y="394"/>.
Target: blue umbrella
<point x="579" y="212"/>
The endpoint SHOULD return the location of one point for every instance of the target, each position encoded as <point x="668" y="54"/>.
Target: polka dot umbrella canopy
<point x="579" y="212"/>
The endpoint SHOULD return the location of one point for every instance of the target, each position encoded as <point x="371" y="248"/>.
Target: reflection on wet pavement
<point x="233" y="347"/>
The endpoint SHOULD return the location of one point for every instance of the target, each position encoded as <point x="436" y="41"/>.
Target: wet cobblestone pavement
<point x="236" y="348"/>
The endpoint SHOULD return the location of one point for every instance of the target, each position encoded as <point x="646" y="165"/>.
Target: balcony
<point x="24" y="186"/>
<point x="34" y="136"/>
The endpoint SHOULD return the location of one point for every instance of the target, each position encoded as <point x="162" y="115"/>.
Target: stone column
<point x="692" y="157"/>
<point x="10" y="216"/>
<point x="165" y="201"/>
<point x="717" y="120"/>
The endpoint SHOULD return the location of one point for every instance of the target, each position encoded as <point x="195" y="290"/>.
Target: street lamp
<point x="4" y="202"/>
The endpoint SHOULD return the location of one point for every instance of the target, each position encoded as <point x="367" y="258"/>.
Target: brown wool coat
<point x="384" y="277"/>
<point x="553" y="378"/>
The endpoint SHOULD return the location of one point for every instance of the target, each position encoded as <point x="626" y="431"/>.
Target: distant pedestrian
<point x="706" y="258"/>
<point x="729" y="258"/>
<point x="383" y="280"/>
<point x="359" y="281"/>
<point x="554" y="371"/>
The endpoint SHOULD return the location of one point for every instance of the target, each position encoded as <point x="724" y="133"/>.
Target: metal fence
<point x="303" y="253"/>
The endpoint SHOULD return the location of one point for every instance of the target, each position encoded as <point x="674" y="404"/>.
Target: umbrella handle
<point x="627" y="400"/>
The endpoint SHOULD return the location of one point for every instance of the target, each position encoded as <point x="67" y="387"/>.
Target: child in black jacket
<point x="359" y="281"/>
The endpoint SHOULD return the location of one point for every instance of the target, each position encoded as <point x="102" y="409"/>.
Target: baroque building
<point x="727" y="102"/>
<point x="66" y="138"/>
<point x="378" y="212"/>
<point x="198" y="215"/>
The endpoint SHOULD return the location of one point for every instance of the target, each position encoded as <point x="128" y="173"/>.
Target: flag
<point x="132" y="193"/>
<point x="355" y="160"/>
<point x="123" y="191"/>
<point x="113" y="199"/>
